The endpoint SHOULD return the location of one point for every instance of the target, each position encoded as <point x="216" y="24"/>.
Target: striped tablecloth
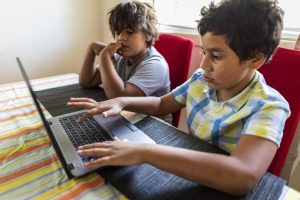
<point x="29" y="166"/>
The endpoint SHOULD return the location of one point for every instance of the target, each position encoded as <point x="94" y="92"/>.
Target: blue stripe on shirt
<point x="195" y="109"/>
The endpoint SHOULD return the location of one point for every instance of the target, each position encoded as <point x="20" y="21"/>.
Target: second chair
<point x="177" y="51"/>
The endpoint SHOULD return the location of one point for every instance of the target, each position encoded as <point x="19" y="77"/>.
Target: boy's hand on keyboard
<point x="106" y="108"/>
<point x="112" y="153"/>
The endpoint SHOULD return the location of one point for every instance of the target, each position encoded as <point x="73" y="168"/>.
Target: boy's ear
<point x="258" y="61"/>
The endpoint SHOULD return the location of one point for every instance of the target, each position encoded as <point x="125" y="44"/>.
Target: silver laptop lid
<point x="47" y="128"/>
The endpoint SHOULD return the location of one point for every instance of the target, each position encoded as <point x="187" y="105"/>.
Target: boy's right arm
<point x="154" y="106"/>
<point x="90" y="75"/>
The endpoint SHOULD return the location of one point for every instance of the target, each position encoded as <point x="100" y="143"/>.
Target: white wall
<point x="50" y="36"/>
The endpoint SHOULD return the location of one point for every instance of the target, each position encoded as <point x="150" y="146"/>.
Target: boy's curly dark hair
<point x="136" y="16"/>
<point x="249" y="26"/>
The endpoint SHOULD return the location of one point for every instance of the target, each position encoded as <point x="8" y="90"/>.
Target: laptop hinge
<point x="70" y="166"/>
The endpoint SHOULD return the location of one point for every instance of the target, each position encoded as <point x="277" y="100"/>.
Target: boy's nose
<point x="121" y="37"/>
<point x="204" y="65"/>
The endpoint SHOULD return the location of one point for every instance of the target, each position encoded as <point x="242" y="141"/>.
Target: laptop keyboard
<point x="85" y="132"/>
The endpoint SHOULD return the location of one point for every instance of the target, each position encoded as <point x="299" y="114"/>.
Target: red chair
<point x="283" y="74"/>
<point x="177" y="51"/>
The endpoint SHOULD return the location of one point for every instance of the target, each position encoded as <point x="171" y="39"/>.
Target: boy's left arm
<point x="254" y="156"/>
<point x="236" y="174"/>
<point x="112" y="83"/>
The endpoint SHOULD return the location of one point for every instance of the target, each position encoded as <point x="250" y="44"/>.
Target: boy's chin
<point x="213" y="86"/>
<point x="127" y="54"/>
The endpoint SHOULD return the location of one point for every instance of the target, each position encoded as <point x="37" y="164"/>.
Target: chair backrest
<point x="177" y="51"/>
<point x="283" y="74"/>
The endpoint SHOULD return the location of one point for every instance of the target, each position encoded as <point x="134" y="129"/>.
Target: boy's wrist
<point x="122" y="101"/>
<point x="144" y="153"/>
<point x="104" y="54"/>
<point x="96" y="48"/>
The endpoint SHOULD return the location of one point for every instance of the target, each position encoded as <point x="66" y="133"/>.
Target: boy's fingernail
<point x="116" y="138"/>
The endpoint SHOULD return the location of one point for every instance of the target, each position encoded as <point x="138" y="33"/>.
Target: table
<point x="30" y="168"/>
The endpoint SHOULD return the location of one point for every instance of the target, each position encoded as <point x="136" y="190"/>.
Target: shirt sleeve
<point x="151" y="77"/>
<point x="268" y="120"/>
<point x="180" y="92"/>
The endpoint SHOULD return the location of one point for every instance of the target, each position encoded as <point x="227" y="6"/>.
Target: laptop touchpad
<point x="118" y="128"/>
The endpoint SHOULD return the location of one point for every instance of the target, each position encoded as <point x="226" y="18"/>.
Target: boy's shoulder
<point x="154" y="57"/>
<point x="153" y="53"/>
<point x="265" y="92"/>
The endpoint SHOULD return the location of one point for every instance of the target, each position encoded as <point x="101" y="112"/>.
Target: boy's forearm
<point x="150" y="105"/>
<point x="88" y="70"/>
<point x="145" y="105"/>
<point x="112" y="84"/>
<point x="221" y="172"/>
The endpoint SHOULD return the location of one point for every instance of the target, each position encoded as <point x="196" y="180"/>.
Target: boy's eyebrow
<point x="213" y="49"/>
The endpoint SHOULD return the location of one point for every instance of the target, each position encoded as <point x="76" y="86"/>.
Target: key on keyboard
<point x="85" y="132"/>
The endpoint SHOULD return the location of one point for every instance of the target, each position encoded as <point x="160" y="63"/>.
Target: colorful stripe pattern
<point x="29" y="166"/>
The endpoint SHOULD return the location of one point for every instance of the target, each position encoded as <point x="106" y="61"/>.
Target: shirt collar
<point x="239" y="100"/>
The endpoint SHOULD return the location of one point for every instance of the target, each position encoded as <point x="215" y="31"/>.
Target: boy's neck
<point x="134" y="59"/>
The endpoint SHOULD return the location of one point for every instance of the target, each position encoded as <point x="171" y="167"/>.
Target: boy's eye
<point x="129" y="31"/>
<point x="216" y="57"/>
<point x="126" y="31"/>
<point x="202" y="52"/>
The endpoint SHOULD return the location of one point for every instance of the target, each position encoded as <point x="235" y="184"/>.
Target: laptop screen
<point x="47" y="128"/>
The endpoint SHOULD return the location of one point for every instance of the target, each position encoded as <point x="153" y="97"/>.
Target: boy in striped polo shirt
<point x="227" y="100"/>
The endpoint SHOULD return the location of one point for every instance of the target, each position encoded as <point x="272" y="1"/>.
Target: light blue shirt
<point x="258" y="110"/>
<point x="150" y="73"/>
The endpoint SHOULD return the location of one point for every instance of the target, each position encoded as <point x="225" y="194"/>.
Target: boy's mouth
<point x="125" y="47"/>
<point x="207" y="79"/>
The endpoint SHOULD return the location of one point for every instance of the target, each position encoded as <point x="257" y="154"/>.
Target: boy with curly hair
<point x="227" y="100"/>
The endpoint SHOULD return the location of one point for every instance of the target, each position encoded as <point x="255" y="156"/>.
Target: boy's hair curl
<point x="136" y="16"/>
<point x="249" y="26"/>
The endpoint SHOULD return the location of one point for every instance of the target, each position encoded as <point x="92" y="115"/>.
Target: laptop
<point x="67" y="135"/>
